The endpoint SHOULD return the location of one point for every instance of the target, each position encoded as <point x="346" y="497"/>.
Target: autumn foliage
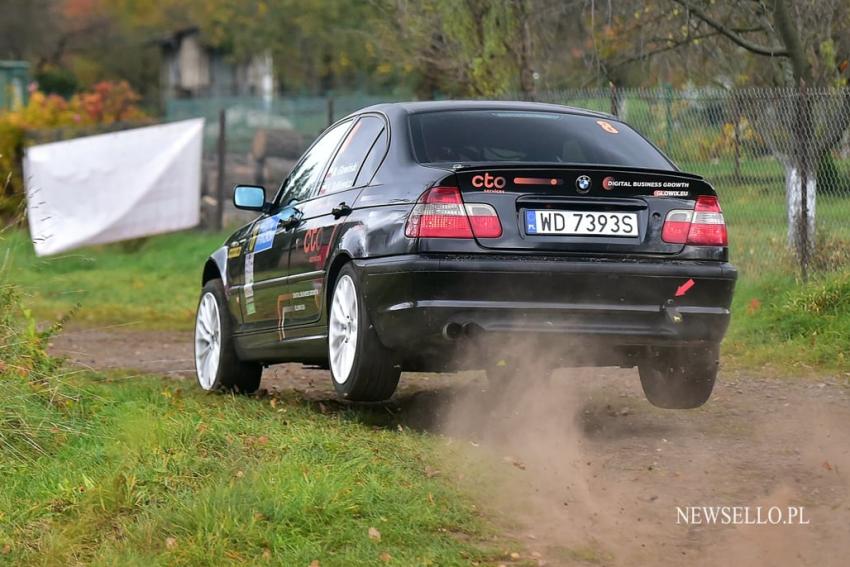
<point x="105" y="104"/>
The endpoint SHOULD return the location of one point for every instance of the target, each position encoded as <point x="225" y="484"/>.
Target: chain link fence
<point x="304" y="115"/>
<point x="262" y="139"/>
<point x="779" y="158"/>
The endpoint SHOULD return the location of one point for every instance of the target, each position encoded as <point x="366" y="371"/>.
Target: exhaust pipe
<point x="673" y="314"/>
<point x="472" y="330"/>
<point x="452" y="331"/>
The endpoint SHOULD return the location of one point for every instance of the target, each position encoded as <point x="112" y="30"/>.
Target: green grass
<point x="139" y="471"/>
<point x="132" y="470"/>
<point x="790" y="326"/>
<point x="152" y="283"/>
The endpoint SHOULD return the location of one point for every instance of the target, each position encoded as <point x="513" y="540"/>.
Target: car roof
<point x="415" y="107"/>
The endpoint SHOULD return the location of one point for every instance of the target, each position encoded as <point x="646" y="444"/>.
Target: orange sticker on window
<point x="607" y="126"/>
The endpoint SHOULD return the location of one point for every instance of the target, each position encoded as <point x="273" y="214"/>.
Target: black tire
<point x="679" y="378"/>
<point x="373" y="374"/>
<point x="231" y="374"/>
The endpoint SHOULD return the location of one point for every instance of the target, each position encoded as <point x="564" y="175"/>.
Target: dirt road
<point x="595" y="475"/>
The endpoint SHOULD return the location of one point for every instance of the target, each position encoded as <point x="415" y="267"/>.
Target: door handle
<point x="292" y="220"/>
<point x="341" y="210"/>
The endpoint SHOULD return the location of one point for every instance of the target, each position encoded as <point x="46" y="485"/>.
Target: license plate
<point x="582" y="223"/>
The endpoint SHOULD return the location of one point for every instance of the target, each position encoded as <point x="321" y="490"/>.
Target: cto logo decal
<point x="583" y="184"/>
<point x="313" y="240"/>
<point x="488" y="181"/>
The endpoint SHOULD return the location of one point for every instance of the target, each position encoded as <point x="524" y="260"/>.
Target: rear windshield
<point x="475" y="136"/>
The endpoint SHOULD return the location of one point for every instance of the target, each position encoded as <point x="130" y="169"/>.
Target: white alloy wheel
<point x="342" y="339"/>
<point x="207" y="341"/>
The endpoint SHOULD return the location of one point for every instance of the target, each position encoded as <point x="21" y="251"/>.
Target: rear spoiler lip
<point x="566" y="166"/>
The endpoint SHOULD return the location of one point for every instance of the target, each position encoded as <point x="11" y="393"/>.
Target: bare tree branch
<point x="729" y="33"/>
<point x="671" y="45"/>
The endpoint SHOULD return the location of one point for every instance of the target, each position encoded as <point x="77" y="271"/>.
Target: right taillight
<point x="441" y="213"/>
<point x="702" y="226"/>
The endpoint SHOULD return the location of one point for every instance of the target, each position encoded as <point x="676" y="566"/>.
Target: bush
<point x="11" y="141"/>
<point x="105" y="104"/>
<point x="56" y="80"/>
<point x="832" y="180"/>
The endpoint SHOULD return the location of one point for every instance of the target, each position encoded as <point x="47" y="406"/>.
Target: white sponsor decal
<point x="248" y="290"/>
<point x="668" y="193"/>
<point x="308" y="293"/>
<point x="610" y="183"/>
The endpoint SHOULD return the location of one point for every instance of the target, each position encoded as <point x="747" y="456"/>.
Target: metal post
<point x="218" y="220"/>
<point x="615" y="105"/>
<point x="668" y="100"/>
<point x="330" y="100"/>
<point x="736" y="103"/>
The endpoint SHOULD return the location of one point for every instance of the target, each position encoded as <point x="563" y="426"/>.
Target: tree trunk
<point x="527" y="84"/>
<point x="801" y="182"/>
<point x="801" y="229"/>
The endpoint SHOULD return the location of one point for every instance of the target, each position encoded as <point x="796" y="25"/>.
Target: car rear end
<point x="597" y="261"/>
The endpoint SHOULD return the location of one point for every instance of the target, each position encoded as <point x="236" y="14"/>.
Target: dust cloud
<point x="593" y="474"/>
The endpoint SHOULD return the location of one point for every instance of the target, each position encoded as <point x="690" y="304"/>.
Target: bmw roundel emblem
<point x="583" y="184"/>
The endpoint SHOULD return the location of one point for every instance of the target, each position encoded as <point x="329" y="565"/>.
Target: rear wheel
<point x="217" y="367"/>
<point x="361" y="367"/>
<point x="679" y="378"/>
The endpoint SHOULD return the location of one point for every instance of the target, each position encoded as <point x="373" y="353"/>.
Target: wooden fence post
<point x="218" y="220"/>
<point x="330" y="109"/>
<point x="615" y="103"/>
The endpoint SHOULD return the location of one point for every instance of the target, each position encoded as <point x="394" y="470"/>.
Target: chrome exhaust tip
<point x="452" y="331"/>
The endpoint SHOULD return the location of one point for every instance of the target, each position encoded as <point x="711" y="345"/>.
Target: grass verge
<point x="132" y="470"/>
<point x="137" y="471"/>
<point x="151" y="283"/>
<point x="790" y="326"/>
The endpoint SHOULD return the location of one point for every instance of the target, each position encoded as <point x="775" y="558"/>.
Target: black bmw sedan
<point x="439" y="236"/>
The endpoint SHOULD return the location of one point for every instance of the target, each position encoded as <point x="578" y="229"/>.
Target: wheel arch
<point x="341" y="259"/>
<point x="216" y="267"/>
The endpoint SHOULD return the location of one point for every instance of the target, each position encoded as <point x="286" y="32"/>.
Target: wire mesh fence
<point x="306" y="115"/>
<point x="779" y="158"/>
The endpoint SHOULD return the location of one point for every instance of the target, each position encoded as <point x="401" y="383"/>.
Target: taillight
<point x="703" y="226"/>
<point x="441" y="213"/>
<point x="484" y="220"/>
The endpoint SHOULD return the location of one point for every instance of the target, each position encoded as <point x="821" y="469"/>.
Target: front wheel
<point x="361" y="367"/>
<point x="217" y="367"/>
<point x="679" y="378"/>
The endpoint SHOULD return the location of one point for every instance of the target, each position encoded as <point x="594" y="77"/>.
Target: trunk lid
<point x="557" y="208"/>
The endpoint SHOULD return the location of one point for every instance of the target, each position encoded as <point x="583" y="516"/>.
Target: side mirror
<point x="249" y="197"/>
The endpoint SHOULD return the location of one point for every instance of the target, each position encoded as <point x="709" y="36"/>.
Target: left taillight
<point x="702" y="226"/>
<point x="441" y="213"/>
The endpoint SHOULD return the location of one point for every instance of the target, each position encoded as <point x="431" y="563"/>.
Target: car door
<point x="267" y="256"/>
<point x="323" y="215"/>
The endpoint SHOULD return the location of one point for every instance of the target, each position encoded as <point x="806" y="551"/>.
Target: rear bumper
<point x="608" y="303"/>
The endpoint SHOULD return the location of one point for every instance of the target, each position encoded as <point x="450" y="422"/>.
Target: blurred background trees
<point x="294" y="65"/>
<point x="439" y="47"/>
